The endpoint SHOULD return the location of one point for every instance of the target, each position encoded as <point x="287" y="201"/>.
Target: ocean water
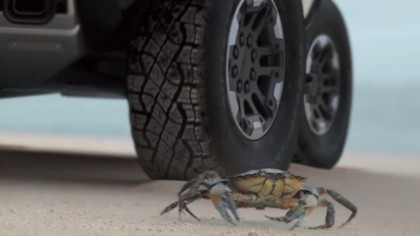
<point x="385" y="40"/>
<point x="385" y="118"/>
<point x="65" y="115"/>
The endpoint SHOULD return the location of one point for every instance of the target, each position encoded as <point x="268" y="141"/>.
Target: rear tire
<point x="180" y="115"/>
<point x="328" y="87"/>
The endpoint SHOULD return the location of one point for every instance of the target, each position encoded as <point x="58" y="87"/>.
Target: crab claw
<point x="207" y="185"/>
<point x="219" y="194"/>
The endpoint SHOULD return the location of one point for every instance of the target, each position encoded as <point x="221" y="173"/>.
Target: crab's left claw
<point x="220" y="195"/>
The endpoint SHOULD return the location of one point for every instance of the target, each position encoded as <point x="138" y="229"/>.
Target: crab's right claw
<point x="220" y="195"/>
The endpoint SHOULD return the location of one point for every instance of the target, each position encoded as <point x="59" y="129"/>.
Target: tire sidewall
<point x="277" y="146"/>
<point x="325" y="150"/>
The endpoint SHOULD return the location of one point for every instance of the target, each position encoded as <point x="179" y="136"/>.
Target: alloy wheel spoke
<point x="271" y="71"/>
<point x="331" y="90"/>
<point x="265" y="22"/>
<point x="257" y="93"/>
<point x="269" y="50"/>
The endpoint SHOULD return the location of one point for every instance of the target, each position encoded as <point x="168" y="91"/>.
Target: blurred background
<point x="385" y="41"/>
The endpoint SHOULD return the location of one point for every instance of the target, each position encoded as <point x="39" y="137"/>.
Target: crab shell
<point x="266" y="182"/>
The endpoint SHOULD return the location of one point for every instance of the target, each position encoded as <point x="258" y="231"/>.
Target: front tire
<point x="181" y="115"/>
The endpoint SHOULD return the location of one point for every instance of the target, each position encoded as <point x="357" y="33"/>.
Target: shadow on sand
<point x="76" y="168"/>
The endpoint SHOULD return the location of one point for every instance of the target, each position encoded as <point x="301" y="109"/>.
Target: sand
<point x="48" y="192"/>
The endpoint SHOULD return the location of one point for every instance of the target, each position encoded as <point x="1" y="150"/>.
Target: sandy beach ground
<point x="88" y="186"/>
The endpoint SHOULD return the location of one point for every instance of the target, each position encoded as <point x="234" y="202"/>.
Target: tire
<point x="325" y="124"/>
<point x="180" y="114"/>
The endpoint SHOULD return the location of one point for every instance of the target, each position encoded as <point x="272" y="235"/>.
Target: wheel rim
<point x="321" y="97"/>
<point x="255" y="66"/>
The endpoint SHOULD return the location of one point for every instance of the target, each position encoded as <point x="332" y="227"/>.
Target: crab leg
<point x="343" y="201"/>
<point x="305" y="206"/>
<point x="170" y="207"/>
<point x="299" y="212"/>
<point x="329" y="218"/>
<point x="193" y="194"/>
<point x="299" y="222"/>
<point x="185" y="199"/>
<point x="191" y="214"/>
<point x="291" y="215"/>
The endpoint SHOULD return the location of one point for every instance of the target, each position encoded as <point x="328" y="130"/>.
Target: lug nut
<point x="247" y="87"/>
<point x="253" y="74"/>
<point x="253" y="55"/>
<point x="234" y="71"/>
<point x="270" y="103"/>
<point x="239" y="86"/>
<point x="241" y="40"/>
<point x="236" y="52"/>
<point x="249" y="41"/>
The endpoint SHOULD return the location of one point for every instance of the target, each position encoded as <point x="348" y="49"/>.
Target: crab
<point x="260" y="189"/>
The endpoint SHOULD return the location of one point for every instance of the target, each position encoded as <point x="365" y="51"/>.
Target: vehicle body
<point x="75" y="50"/>
<point x="71" y="50"/>
<point x="101" y="48"/>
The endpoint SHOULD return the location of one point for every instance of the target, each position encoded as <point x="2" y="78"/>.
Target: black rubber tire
<point x="181" y="122"/>
<point x="325" y="150"/>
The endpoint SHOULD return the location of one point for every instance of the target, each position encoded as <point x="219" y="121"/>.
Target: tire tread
<point x="165" y="91"/>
